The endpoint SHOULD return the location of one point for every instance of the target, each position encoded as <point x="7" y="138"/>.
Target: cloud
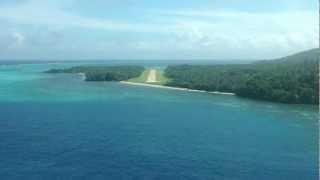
<point x="276" y="32"/>
<point x="18" y="39"/>
<point x="197" y="33"/>
<point x="52" y="15"/>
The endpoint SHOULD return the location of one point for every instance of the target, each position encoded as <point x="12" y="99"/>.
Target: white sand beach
<point x="175" y="88"/>
<point x="82" y="75"/>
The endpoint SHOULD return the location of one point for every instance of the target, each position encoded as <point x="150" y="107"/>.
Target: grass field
<point x="162" y="80"/>
<point x="142" y="78"/>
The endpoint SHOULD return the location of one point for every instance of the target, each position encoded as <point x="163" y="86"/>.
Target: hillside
<point x="292" y="79"/>
<point x="311" y="55"/>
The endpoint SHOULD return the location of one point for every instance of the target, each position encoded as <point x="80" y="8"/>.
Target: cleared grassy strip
<point x="162" y="80"/>
<point x="142" y="78"/>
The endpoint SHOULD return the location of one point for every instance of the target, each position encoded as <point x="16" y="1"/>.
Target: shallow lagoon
<point x="60" y="127"/>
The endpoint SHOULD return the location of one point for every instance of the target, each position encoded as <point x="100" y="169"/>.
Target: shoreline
<point x="82" y="75"/>
<point x="176" y="88"/>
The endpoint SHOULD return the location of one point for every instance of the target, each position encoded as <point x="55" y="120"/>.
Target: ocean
<point x="57" y="126"/>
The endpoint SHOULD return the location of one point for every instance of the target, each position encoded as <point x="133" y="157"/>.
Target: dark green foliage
<point x="293" y="79"/>
<point x="104" y="73"/>
<point x="207" y="77"/>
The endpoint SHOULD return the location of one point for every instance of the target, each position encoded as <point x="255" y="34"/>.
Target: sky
<point x="156" y="30"/>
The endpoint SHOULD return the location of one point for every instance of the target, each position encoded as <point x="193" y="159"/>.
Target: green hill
<point x="311" y="55"/>
<point x="292" y="79"/>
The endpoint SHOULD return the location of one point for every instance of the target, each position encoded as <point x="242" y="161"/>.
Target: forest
<point x="104" y="73"/>
<point x="293" y="79"/>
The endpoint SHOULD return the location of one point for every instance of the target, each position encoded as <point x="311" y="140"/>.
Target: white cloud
<point x="215" y="33"/>
<point x="18" y="40"/>
<point x="280" y="33"/>
<point x="51" y="14"/>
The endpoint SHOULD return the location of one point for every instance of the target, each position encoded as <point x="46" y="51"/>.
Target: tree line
<point x="293" y="79"/>
<point x="104" y="73"/>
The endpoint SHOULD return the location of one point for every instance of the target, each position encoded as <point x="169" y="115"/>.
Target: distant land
<point x="293" y="79"/>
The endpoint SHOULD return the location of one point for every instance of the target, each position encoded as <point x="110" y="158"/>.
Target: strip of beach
<point x="152" y="78"/>
<point x="175" y="88"/>
<point x="82" y="75"/>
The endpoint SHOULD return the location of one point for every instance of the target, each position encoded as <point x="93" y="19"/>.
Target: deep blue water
<point x="59" y="127"/>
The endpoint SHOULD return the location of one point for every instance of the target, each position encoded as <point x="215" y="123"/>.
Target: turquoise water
<point x="60" y="127"/>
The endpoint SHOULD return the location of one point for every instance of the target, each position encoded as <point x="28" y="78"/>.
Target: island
<point x="104" y="73"/>
<point x="293" y="79"/>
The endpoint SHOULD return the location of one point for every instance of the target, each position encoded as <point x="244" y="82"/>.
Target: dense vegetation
<point x="293" y="79"/>
<point x="105" y="73"/>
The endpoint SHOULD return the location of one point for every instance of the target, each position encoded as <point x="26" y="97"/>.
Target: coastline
<point x="176" y="88"/>
<point x="82" y="75"/>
